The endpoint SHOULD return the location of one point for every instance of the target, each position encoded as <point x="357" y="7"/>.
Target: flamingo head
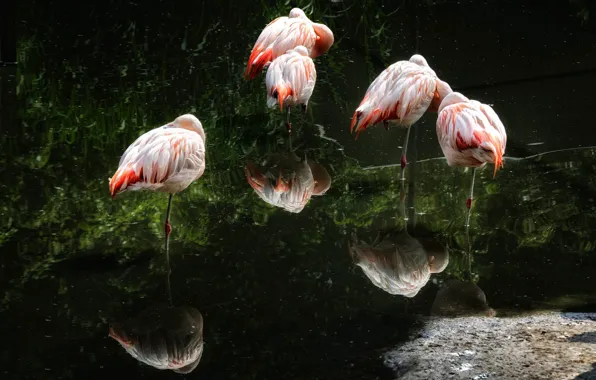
<point x="300" y="50"/>
<point x="324" y="40"/>
<point x="191" y="123"/>
<point x="419" y="60"/>
<point x="490" y="150"/>
<point x="443" y="89"/>
<point x="452" y="98"/>
<point x="297" y="12"/>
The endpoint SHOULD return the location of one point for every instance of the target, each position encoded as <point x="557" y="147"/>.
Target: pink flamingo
<point x="166" y="159"/>
<point x="285" y="33"/>
<point x="470" y="134"/>
<point x="401" y="94"/>
<point x="290" y="80"/>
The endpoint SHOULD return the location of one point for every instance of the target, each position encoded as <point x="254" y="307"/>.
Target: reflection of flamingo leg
<point x="404" y="161"/>
<point x="168" y="230"/>
<point x="288" y="124"/>
<point x="469" y="212"/>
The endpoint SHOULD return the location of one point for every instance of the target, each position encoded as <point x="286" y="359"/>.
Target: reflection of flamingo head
<point x="321" y="177"/>
<point x="438" y="256"/>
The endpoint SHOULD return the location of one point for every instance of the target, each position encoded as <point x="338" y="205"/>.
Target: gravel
<point x="544" y="346"/>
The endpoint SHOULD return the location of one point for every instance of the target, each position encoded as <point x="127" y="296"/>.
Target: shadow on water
<point x="277" y="290"/>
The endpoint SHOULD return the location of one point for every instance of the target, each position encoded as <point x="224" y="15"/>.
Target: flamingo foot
<point x="168" y="228"/>
<point x="469" y="203"/>
<point x="404" y="162"/>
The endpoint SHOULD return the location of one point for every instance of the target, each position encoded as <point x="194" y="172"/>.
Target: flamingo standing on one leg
<point x="285" y="33"/>
<point x="290" y="80"/>
<point x="470" y="134"/>
<point x="166" y="159"/>
<point x="401" y="94"/>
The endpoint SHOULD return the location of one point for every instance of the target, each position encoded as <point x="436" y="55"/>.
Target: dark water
<point x="279" y="293"/>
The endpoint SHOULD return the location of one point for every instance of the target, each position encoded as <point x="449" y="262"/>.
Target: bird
<point x="285" y="33"/>
<point x="470" y="134"/>
<point x="166" y="159"/>
<point x="401" y="94"/>
<point x="290" y="80"/>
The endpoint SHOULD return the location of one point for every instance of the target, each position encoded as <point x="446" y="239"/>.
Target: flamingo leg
<point x="288" y="124"/>
<point x="404" y="161"/>
<point x="168" y="231"/>
<point x="469" y="207"/>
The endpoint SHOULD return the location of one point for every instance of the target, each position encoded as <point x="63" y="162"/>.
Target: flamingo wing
<point x="303" y="77"/>
<point x="298" y="32"/>
<point x="158" y="157"/>
<point x="261" y="52"/>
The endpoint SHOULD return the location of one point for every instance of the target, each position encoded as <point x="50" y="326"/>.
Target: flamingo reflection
<point x="288" y="182"/>
<point x="398" y="263"/>
<point x="164" y="338"/>
<point x="458" y="298"/>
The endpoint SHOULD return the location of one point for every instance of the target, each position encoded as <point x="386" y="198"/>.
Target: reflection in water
<point x="288" y="182"/>
<point x="164" y="337"/>
<point x="399" y="263"/>
<point x="458" y="298"/>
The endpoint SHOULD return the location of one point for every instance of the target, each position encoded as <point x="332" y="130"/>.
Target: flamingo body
<point x="165" y="159"/>
<point x="291" y="78"/>
<point x="470" y="133"/>
<point x="401" y="94"/>
<point x="285" y="33"/>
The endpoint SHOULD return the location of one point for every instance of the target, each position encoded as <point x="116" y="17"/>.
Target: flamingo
<point x="291" y="80"/>
<point x="470" y="134"/>
<point x="285" y="33"/>
<point x="401" y="94"/>
<point x="166" y="159"/>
